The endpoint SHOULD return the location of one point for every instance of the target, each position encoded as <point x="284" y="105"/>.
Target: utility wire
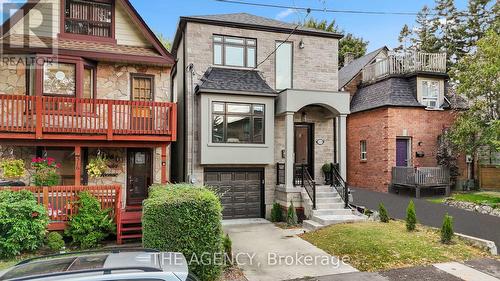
<point x="363" y="12"/>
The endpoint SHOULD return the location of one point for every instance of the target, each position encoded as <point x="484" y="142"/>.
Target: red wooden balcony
<point x="53" y="118"/>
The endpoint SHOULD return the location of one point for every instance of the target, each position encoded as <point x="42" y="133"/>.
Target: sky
<point x="163" y="15"/>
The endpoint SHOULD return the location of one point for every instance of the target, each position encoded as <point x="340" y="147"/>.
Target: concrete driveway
<point x="266" y="252"/>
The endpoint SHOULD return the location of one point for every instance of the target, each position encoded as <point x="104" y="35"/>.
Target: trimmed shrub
<point x="91" y="225"/>
<point x="291" y="216"/>
<point x="383" y="213"/>
<point x="23" y="223"/>
<point x="55" y="241"/>
<point x="447" y="229"/>
<point x="187" y="219"/>
<point x="276" y="213"/>
<point x="228" y="249"/>
<point x="411" y="217"/>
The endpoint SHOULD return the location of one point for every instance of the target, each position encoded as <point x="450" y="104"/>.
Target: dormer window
<point x="89" y="18"/>
<point x="430" y="93"/>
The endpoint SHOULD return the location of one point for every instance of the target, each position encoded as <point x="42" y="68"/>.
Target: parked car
<point x="110" y="264"/>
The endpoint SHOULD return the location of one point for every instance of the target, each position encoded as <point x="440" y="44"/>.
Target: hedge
<point x="187" y="219"/>
<point x="23" y="223"/>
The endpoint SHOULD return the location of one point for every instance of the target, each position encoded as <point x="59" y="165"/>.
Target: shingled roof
<point x="348" y="72"/>
<point x="389" y="92"/>
<point x="237" y="81"/>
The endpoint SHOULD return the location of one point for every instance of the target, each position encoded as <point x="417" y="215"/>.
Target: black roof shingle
<point x="234" y="80"/>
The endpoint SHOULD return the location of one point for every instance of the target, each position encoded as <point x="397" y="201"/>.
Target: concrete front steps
<point x="329" y="209"/>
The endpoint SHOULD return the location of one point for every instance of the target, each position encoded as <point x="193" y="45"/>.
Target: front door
<point x="139" y="175"/>
<point x="402" y="152"/>
<point x="304" y="154"/>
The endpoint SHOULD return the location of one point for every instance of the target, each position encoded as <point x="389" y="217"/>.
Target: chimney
<point x="348" y="58"/>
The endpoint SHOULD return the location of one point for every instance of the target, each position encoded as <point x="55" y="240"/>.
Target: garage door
<point x="241" y="191"/>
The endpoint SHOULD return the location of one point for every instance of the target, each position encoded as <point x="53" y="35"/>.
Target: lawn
<point x="490" y="198"/>
<point x="374" y="246"/>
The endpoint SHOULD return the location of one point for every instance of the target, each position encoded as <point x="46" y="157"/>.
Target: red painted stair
<point x="129" y="225"/>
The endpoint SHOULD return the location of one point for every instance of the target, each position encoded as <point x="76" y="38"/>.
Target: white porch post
<point x="289" y="149"/>
<point x="342" y="144"/>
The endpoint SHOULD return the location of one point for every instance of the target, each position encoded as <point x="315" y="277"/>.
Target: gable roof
<point x="348" y="72"/>
<point x="165" y="55"/>
<point x="249" y="21"/>
<point x="236" y="81"/>
<point x="389" y="92"/>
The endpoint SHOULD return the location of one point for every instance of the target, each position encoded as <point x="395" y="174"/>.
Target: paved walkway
<point x="476" y="270"/>
<point x="428" y="213"/>
<point x="266" y="252"/>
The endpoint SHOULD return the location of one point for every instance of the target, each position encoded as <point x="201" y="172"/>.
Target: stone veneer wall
<point x="13" y="81"/>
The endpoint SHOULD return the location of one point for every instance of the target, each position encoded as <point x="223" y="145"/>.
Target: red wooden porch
<point x="63" y="118"/>
<point x="60" y="204"/>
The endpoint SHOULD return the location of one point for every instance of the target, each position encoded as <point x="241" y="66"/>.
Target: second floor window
<point x="430" y="93"/>
<point x="362" y="149"/>
<point x="235" y="51"/>
<point x="59" y="79"/>
<point x="237" y="122"/>
<point x="284" y="67"/>
<point x="91" y="18"/>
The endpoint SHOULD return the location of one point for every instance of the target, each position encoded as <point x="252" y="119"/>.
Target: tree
<point x="411" y="217"/>
<point x="477" y="79"/>
<point x="479" y="18"/>
<point x="404" y="38"/>
<point x="348" y="44"/>
<point x="165" y="41"/>
<point x="425" y="32"/>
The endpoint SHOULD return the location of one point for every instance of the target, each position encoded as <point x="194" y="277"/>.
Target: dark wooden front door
<point x="304" y="154"/>
<point x="139" y="175"/>
<point x="402" y="152"/>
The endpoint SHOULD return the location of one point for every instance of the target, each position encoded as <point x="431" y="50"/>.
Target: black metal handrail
<point x="306" y="181"/>
<point x="340" y="184"/>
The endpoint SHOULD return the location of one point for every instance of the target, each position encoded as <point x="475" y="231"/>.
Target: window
<point x="59" y="79"/>
<point x="430" y="93"/>
<point x="234" y="51"/>
<point x="237" y="122"/>
<point x="142" y="87"/>
<point x="284" y="61"/>
<point x="88" y="82"/>
<point x="362" y="148"/>
<point x="91" y="17"/>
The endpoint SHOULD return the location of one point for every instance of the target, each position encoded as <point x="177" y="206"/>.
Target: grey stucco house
<point x="257" y="98"/>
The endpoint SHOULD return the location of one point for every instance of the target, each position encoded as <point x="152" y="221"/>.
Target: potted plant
<point x="327" y="171"/>
<point x="45" y="171"/>
<point x="12" y="170"/>
<point x="97" y="166"/>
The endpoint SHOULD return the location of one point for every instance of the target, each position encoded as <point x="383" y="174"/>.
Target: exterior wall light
<point x="301" y="44"/>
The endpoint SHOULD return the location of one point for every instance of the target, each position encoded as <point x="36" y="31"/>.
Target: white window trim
<point x="425" y="100"/>
<point x="363" y="152"/>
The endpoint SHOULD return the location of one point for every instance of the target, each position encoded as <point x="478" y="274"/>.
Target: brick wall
<point x="380" y="128"/>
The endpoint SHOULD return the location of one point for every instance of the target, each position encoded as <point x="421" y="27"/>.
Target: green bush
<point x="55" y="241"/>
<point x="291" y="216"/>
<point x="12" y="168"/>
<point x="23" y="223"/>
<point x="45" y="171"/>
<point x="187" y="219"/>
<point x="383" y="213"/>
<point x="228" y="248"/>
<point x="276" y="213"/>
<point x="90" y="225"/>
<point x="411" y="217"/>
<point x="447" y="229"/>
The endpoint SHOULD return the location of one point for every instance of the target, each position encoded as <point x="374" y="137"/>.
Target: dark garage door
<point x="242" y="192"/>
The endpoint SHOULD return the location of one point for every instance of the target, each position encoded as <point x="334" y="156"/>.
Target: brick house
<point x="91" y="79"/>
<point x="258" y="102"/>
<point x="399" y="108"/>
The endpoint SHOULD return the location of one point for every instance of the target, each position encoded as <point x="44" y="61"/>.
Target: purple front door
<point x="401" y="152"/>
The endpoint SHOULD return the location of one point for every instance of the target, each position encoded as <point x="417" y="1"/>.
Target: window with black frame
<point x="237" y="122"/>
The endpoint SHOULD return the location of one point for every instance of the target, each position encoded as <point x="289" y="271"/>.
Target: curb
<point x="482" y="243"/>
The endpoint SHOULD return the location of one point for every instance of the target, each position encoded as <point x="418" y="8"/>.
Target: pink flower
<point x="58" y="165"/>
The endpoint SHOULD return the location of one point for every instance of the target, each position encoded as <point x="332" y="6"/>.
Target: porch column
<point x="78" y="165"/>
<point x="342" y="144"/>
<point x="164" y="163"/>
<point x="289" y="149"/>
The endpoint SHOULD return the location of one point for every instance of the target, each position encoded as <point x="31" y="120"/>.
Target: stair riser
<point x="334" y="221"/>
<point x="320" y="206"/>
<point x="326" y="194"/>
<point x="310" y="226"/>
<point x="330" y="200"/>
<point x="339" y="212"/>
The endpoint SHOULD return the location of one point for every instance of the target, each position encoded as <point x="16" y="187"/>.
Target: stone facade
<point x="13" y="80"/>
<point x="380" y="128"/>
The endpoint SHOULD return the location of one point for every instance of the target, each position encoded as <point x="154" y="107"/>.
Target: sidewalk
<point x="481" y="269"/>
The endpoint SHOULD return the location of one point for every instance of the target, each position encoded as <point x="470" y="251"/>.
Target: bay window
<point x="237" y="122"/>
<point x="234" y="51"/>
<point x="59" y="79"/>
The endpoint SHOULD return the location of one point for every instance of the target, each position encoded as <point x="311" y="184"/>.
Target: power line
<point x="362" y="12"/>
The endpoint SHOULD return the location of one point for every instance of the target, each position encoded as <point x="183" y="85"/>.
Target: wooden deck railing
<point x="51" y="115"/>
<point x="60" y="200"/>
<point x="421" y="176"/>
<point x="405" y="63"/>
